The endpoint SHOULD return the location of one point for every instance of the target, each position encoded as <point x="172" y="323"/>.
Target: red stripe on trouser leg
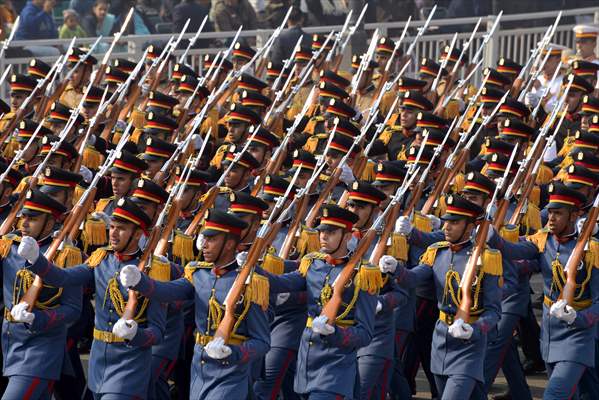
<point x="279" y="381"/>
<point x="384" y="388"/>
<point x="31" y="389"/>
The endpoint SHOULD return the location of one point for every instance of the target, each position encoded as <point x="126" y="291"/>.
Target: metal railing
<point x="515" y="44"/>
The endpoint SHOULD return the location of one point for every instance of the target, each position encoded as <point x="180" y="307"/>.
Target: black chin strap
<point x="130" y="239"/>
<point x="338" y="244"/>
<point x="222" y="247"/>
<point x="461" y="238"/>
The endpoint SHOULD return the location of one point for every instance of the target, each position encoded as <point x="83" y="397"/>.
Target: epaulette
<point x="492" y="264"/>
<point x="399" y="247"/>
<point x="159" y="270"/>
<point x="92" y="158"/>
<point x="6" y="243"/>
<point x="428" y="257"/>
<point x="544" y="176"/>
<point x="532" y="218"/>
<point x="69" y="256"/>
<point x="193" y="266"/>
<point x="539" y="239"/>
<point x="22" y="185"/>
<point x="102" y="203"/>
<point x="510" y="233"/>
<point x="592" y="254"/>
<point x="224" y="189"/>
<point x="369" y="278"/>
<point x="308" y="241"/>
<point x="183" y="246"/>
<point x="273" y="263"/>
<point x="317" y="118"/>
<point x="422" y="223"/>
<point x="307" y="261"/>
<point x="218" y="157"/>
<point x="97" y="256"/>
<point x="136" y="135"/>
<point x="258" y="291"/>
<point x="385" y="136"/>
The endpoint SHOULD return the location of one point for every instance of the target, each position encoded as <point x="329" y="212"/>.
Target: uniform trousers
<point x="114" y="396"/>
<point x="375" y="375"/>
<point x="589" y="383"/>
<point x="400" y="387"/>
<point x="459" y="387"/>
<point x="277" y="376"/>
<point x="502" y="353"/>
<point x="563" y="380"/>
<point x="28" y="388"/>
<point x="427" y="315"/>
<point x="161" y="371"/>
<point x="323" y="396"/>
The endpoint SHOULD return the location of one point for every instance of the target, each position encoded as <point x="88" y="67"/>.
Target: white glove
<point x="551" y="152"/>
<point x="91" y="140"/>
<point x="86" y="173"/>
<point x="197" y="141"/>
<point x="532" y="99"/>
<point x="282" y="298"/>
<point x="387" y="264"/>
<point x="580" y="224"/>
<point x="347" y="176"/>
<point x="217" y="349"/>
<point x="29" y="249"/>
<point x="200" y="242"/>
<point x="403" y="225"/>
<point x="102" y="216"/>
<point x="460" y="330"/>
<point x="21" y="314"/>
<point x="379" y="306"/>
<point x="241" y="257"/>
<point x="435" y="221"/>
<point x="125" y="329"/>
<point x="320" y="325"/>
<point x="551" y="104"/>
<point x="561" y="310"/>
<point x="130" y="276"/>
<point x="489" y="232"/>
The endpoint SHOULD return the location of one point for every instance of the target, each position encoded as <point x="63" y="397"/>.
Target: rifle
<point x="211" y="194"/>
<point x="466" y="47"/>
<point x="90" y="128"/>
<point x="70" y="227"/>
<point x="275" y="162"/>
<point x="576" y="257"/>
<point x="461" y="84"/>
<point x="65" y="82"/>
<point x="11" y="36"/>
<point x="444" y="63"/>
<point x="269" y="43"/>
<point x="269" y="118"/>
<point x="329" y="58"/>
<point x="546" y="91"/>
<point x="352" y="30"/>
<point x="503" y="203"/>
<point x="101" y="71"/>
<point x="20" y="153"/>
<point x="158" y="64"/>
<point x="363" y="65"/>
<point x="486" y="38"/>
<point x="265" y="235"/>
<point x="533" y="77"/>
<point x="395" y="207"/>
<point x="193" y="40"/>
<point x="469" y="275"/>
<point x="169" y="212"/>
<point x="387" y="86"/>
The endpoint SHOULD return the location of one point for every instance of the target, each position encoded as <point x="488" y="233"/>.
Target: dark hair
<point x="296" y="15"/>
<point x="98" y="2"/>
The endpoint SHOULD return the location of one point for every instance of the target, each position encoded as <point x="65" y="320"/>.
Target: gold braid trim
<point x="68" y="257"/>
<point x="97" y="256"/>
<point x="272" y="263"/>
<point x="307" y="261"/>
<point x="369" y="279"/>
<point x="422" y="223"/>
<point x="399" y="247"/>
<point x="23" y="282"/>
<point x="539" y="239"/>
<point x="449" y="291"/>
<point x="183" y="247"/>
<point x="510" y="233"/>
<point x="193" y="266"/>
<point x="119" y="302"/>
<point x="6" y="244"/>
<point x="428" y="257"/>
<point x="257" y="291"/>
<point x="307" y="242"/>
<point x="351" y="304"/>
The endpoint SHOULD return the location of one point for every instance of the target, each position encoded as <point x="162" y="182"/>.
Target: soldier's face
<point x="561" y="220"/>
<point x="89" y="112"/>
<point x="331" y="240"/>
<point x="455" y="230"/>
<point x="150" y="208"/>
<point x="333" y="158"/>
<point x="123" y="236"/>
<point x="189" y="198"/>
<point x="16" y="99"/>
<point x="236" y="132"/>
<point x="56" y="161"/>
<point x="364" y="212"/>
<point x="121" y="183"/>
<point x="216" y="246"/>
<point x="381" y="59"/>
<point x="585" y="47"/>
<point x="153" y="167"/>
<point x="236" y="178"/>
<point x="573" y="100"/>
<point x="36" y="227"/>
<point x="478" y="199"/>
<point x="584" y="122"/>
<point x="407" y="118"/>
<point x="389" y="190"/>
<point x="302" y="179"/>
<point x="258" y="152"/>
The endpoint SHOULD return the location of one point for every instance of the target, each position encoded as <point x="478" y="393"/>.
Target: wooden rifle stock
<point x="207" y="204"/>
<point x="416" y="195"/>
<point x="470" y="271"/>
<point x="331" y="309"/>
<point x="295" y="225"/>
<point x="274" y="164"/>
<point x="7" y="224"/>
<point x="381" y="246"/>
<point x="328" y="188"/>
<point x="173" y="215"/>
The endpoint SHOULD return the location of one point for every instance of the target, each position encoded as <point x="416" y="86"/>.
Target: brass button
<point x="310" y="343"/>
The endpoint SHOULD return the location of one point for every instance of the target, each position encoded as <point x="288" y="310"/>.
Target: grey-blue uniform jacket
<point x="444" y="264"/>
<point x="329" y="363"/>
<point x="228" y="378"/>
<point x="115" y="366"/>
<point x="37" y="349"/>
<point x="560" y="342"/>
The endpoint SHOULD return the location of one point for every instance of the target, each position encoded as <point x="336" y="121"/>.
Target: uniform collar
<point x="222" y="270"/>
<point x="127" y="257"/>
<point x="459" y="246"/>
<point x="337" y="261"/>
<point x="566" y="238"/>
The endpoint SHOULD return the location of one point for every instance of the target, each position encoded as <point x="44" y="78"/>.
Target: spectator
<point x="229" y="15"/>
<point x="327" y="12"/>
<point x="70" y="27"/>
<point x="286" y="41"/>
<point x="139" y="25"/>
<point x="36" y="21"/>
<point x="195" y="11"/>
<point x="82" y="7"/>
<point x="99" y="22"/>
<point x="7" y="18"/>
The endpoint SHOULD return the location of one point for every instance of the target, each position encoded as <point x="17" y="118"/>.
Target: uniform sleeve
<point x="153" y="333"/>
<point x="360" y="334"/>
<point x="67" y="313"/>
<point x="394" y="298"/>
<point x="165" y="292"/>
<point x="492" y="301"/>
<point x="425" y="239"/>
<point x="79" y="275"/>
<point x="410" y="278"/>
<point x="588" y="317"/>
<point x="259" y="338"/>
<point x="521" y="250"/>
<point x="285" y="283"/>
